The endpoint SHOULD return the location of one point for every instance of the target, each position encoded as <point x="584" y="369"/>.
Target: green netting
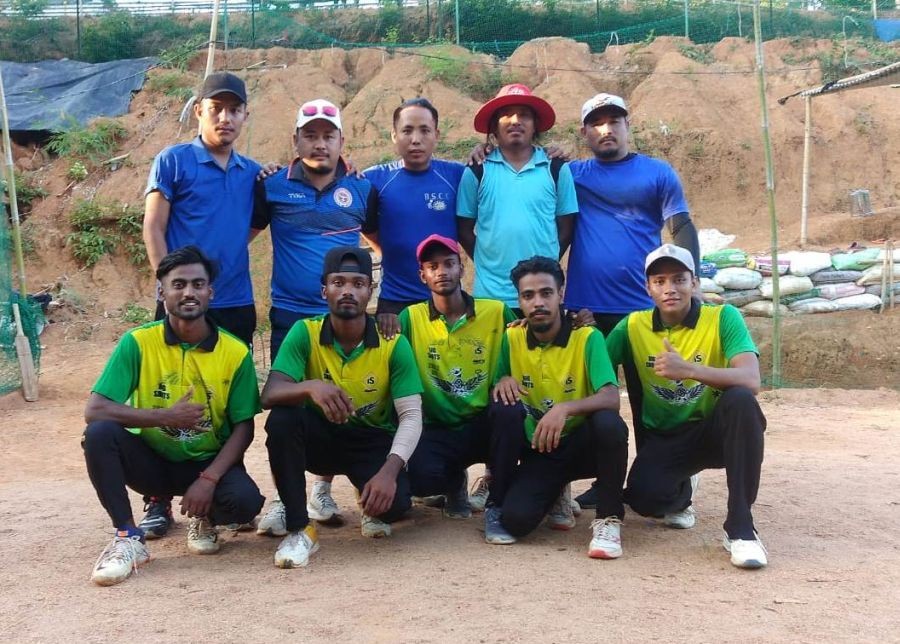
<point x="32" y="317"/>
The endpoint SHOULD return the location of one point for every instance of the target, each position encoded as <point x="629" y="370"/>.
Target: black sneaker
<point x="158" y="518"/>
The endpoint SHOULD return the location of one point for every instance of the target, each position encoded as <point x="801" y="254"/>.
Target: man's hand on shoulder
<point x="388" y="324"/>
<point x="267" y="170"/>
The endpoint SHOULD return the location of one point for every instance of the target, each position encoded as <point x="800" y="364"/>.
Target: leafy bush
<point x="94" y="143"/>
<point x="100" y="228"/>
<point x="174" y="84"/>
<point x="134" y="314"/>
<point x="27" y="191"/>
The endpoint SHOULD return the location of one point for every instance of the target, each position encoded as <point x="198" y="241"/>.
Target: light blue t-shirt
<point x="411" y="206"/>
<point x="515" y="218"/>
<point x="623" y="206"/>
<point x="211" y="208"/>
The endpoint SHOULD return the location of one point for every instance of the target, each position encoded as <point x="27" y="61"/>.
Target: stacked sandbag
<point x="809" y="281"/>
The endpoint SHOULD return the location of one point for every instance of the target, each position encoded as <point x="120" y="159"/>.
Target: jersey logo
<point x="296" y="195"/>
<point x="327" y="375"/>
<point x="343" y="198"/>
<point x="680" y="395"/>
<point x="365" y="410"/>
<point x="436" y="201"/>
<point x="433" y="354"/>
<point x="569" y="384"/>
<point x="651" y="361"/>
<point x="371" y="382"/>
<point x="458" y="387"/>
<point x="536" y="412"/>
<point x="526" y="381"/>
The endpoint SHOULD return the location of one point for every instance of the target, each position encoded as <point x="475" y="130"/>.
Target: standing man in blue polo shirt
<point x="625" y="200"/>
<point x="416" y="198"/>
<point x="201" y="193"/>
<point x="313" y="205"/>
<point x="518" y="208"/>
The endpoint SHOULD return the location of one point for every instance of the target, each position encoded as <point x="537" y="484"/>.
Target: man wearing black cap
<point x="201" y="193"/>
<point x="699" y="373"/>
<point x="333" y="391"/>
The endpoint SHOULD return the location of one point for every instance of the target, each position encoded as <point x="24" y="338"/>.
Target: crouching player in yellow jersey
<point x="334" y="389"/>
<point x="699" y="372"/>
<point x="560" y="382"/>
<point x="456" y="341"/>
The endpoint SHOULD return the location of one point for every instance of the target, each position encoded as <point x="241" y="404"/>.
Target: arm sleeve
<point x="599" y="367"/>
<point x="370" y="225"/>
<point x="617" y="345"/>
<point x="503" y="368"/>
<point x="566" y="201"/>
<point x="671" y="194"/>
<point x="162" y="175"/>
<point x="684" y="234"/>
<point x="122" y="372"/>
<point x="294" y="353"/>
<point x="409" y="426"/>
<point x="733" y="332"/>
<point x="262" y="216"/>
<point x="405" y="379"/>
<point x="467" y="196"/>
<point x="243" y="396"/>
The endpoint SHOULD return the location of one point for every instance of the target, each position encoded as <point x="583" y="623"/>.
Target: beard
<point x="346" y="311"/>
<point x="607" y="153"/>
<point x="319" y="169"/>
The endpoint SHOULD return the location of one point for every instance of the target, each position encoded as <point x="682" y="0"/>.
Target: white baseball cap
<point x="670" y="251"/>
<point x="603" y="100"/>
<point x="319" y="109"/>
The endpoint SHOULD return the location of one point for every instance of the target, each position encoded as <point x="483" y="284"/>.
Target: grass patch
<point x="172" y="83"/>
<point x="101" y="228"/>
<point x="134" y="314"/>
<point x="464" y="73"/>
<point x="27" y="191"/>
<point x="457" y="150"/>
<point x="94" y="143"/>
<point x="698" y="53"/>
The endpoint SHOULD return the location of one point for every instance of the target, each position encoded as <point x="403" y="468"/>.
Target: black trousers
<point x="240" y="321"/>
<point x="300" y="440"/>
<point x="526" y="491"/>
<point x="731" y="437"/>
<point x="116" y="458"/>
<point x="442" y="455"/>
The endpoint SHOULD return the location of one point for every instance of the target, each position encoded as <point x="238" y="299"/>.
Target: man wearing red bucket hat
<point x="518" y="203"/>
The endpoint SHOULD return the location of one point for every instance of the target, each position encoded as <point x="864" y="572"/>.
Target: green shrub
<point x="134" y="314"/>
<point x="27" y="191"/>
<point x="174" y="84"/>
<point x="95" y="143"/>
<point x="101" y="228"/>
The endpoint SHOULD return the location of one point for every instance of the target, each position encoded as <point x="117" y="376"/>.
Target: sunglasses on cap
<point x="310" y="109"/>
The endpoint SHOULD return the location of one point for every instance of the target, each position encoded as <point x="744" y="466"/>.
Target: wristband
<point x="212" y="479"/>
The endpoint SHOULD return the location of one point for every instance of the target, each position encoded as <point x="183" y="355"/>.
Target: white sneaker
<point x="685" y="519"/>
<point x="296" y="548"/>
<point x="374" y="528"/>
<point x="202" y="538"/>
<point x="746" y="553"/>
<point x="606" y="542"/>
<point x="321" y="506"/>
<point x="479" y="495"/>
<point x="119" y="559"/>
<point x="561" y="515"/>
<point x="274" y="521"/>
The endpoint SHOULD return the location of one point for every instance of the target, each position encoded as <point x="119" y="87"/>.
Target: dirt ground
<point x="828" y="510"/>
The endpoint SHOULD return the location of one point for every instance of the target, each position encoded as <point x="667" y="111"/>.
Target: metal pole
<point x="253" y="23"/>
<point x="457" y="22"/>
<point x="427" y="19"/>
<point x="78" y="29"/>
<point x="770" y="194"/>
<point x="598" y="14"/>
<point x="687" y="21"/>
<point x="874" y="9"/>
<point x="804" y="199"/>
<point x="13" y="199"/>
<point x="225" y="24"/>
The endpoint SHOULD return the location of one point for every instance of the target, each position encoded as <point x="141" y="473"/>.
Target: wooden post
<point x="804" y="199"/>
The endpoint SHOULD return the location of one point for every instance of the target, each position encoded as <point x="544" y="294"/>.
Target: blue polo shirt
<point x="306" y="224"/>
<point x="623" y="206"/>
<point x="210" y="207"/>
<point x="515" y="218"/>
<point x="411" y="206"/>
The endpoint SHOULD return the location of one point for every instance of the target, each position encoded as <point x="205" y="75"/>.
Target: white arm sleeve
<point x="409" y="429"/>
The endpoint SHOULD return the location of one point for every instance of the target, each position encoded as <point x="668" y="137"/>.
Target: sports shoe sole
<point x="604" y="554"/>
<point x="335" y="519"/>
<point x="271" y="532"/>
<point x="561" y="527"/>
<point x="288" y="564"/>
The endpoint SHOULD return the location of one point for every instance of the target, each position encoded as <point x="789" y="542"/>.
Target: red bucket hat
<point x="516" y="94"/>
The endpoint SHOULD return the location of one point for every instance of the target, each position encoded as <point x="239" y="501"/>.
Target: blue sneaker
<point x="494" y="532"/>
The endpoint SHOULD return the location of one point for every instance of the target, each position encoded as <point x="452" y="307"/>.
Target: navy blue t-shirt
<point x="411" y="206"/>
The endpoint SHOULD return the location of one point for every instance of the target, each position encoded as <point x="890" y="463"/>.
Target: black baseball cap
<point x="347" y="259"/>
<point x="222" y="82"/>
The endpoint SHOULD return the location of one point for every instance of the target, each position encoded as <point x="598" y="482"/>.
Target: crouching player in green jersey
<point x="561" y="384"/>
<point x="456" y="341"/>
<point x="699" y="372"/>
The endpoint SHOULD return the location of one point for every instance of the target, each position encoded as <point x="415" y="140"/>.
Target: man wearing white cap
<point x="313" y="205"/>
<point x="625" y="200"/>
<point x="699" y="373"/>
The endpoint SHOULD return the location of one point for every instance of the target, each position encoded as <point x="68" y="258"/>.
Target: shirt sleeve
<point x="503" y="367"/>
<point x="405" y="326"/>
<point x="122" y="372"/>
<point x="262" y="215"/>
<point x="467" y="196"/>
<point x="294" y="353"/>
<point x="162" y="175"/>
<point x="671" y="193"/>
<point x="405" y="379"/>
<point x="508" y="316"/>
<point x="733" y="332"/>
<point x="599" y="367"/>
<point x="617" y="345"/>
<point x="370" y="225"/>
<point x="566" y="201"/>
<point x="243" y="397"/>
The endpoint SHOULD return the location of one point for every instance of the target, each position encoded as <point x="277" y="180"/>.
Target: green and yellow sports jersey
<point x="573" y="366"/>
<point x="457" y="363"/>
<point x="151" y="369"/>
<point x="375" y="373"/>
<point x="709" y="335"/>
